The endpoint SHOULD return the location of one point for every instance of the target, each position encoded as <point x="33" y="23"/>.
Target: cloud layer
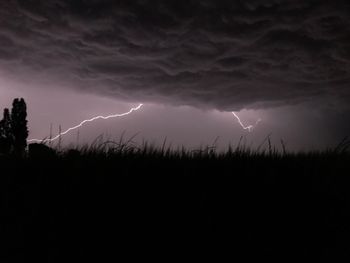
<point x="212" y="54"/>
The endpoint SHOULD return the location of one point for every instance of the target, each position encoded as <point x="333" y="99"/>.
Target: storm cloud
<point x="225" y="55"/>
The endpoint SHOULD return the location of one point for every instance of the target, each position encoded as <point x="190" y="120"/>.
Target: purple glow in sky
<point x="181" y="125"/>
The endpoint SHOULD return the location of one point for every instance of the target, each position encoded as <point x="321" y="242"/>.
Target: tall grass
<point x="128" y="147"/>
<point x="75" y="202"/>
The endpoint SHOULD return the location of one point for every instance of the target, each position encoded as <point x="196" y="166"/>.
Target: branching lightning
<point x="85" y="121"/>
<point x="249" y="127"/>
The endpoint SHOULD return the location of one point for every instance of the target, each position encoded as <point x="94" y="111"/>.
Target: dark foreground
<point x="93" y="206"/>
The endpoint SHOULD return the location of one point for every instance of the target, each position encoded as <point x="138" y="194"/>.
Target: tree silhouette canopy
<point x="13" y="129"/>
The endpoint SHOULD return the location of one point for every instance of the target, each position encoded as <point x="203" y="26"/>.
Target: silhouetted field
<point x="147" y="202"/>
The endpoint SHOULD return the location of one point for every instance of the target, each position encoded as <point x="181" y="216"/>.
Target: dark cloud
<point x="211" y="54"/>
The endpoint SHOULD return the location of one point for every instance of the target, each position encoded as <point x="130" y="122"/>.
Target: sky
<point x="191" y="63"/>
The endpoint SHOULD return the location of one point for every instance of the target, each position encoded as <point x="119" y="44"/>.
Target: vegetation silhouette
<point x="114" y="199"/>
<point x="6" y="137"/>
<point x="13" y="129"/>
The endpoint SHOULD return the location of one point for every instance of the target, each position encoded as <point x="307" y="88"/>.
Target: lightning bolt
<point x="249" y="127"/>
<point x="85" y="121"/>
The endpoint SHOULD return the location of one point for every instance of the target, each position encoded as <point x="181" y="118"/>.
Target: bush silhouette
<point x="13" y="129"/>
<point x="40" y="151"/>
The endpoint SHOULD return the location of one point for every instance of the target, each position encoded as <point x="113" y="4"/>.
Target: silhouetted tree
<point x="6" y="136"/>
<point x="19" y="126"/>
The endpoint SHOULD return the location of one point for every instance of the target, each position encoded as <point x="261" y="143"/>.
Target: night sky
<point x="189" y="62"/>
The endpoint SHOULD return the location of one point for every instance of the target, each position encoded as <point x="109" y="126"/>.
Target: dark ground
<point x="93" y="206"/>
